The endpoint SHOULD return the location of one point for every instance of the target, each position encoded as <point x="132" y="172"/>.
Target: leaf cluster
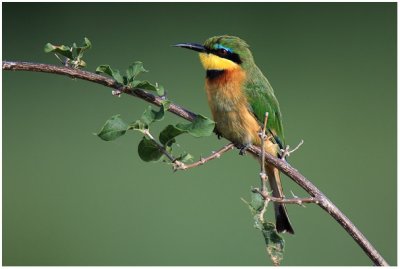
<point x="129" y="79"/>
<point x="149" y="149"/>
<point x="72" y="54"/>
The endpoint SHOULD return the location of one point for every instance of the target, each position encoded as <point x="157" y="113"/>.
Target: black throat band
<point x="213" y="74"/>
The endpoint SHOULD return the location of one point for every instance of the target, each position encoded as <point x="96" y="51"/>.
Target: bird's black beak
<point x="192" y="46"/>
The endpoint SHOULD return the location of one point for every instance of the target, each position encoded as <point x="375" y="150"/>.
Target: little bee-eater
<point x="239" y="96"/>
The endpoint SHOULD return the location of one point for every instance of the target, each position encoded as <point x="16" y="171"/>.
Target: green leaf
<point x="274" y="242"/>
<point x="201" y="126"/>
<point x="160" y="90"/>
<point x="63" y="50"/>
<point x="113" y="128"/>
<point x="185" y="157"/>
<point x="167" y="136"/>
<point x="135" y="69"/>
<point x="82" y="63"/>
<point x="144" y="85"/>
<point x="125" y="80"/>
<point x="257" y="201"/>
<point x="86" y="45"/>
<point x="150" y="115"/>
<point x="148" y="150"/>
<point x="138" y="126"/>
<point x="133" y="83"/>
<point x="106" y="69"/>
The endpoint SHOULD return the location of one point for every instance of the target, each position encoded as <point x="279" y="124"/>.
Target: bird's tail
<point x="281" y="215"/>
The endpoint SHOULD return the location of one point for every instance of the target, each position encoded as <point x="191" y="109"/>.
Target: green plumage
<point x="262" y="99"/>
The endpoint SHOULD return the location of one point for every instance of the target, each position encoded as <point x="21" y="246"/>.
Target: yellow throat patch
<point x="213" y="62"/>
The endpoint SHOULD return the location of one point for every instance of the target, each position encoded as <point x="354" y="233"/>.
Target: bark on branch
<point x="317" y="196"/>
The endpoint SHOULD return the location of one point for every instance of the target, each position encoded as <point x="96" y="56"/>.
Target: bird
<point x="239" y="96"/>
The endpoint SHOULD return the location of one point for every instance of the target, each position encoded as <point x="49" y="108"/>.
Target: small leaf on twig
<point x="257" y="201"/>
<point x="106" y="69"/>
<point x="150" y="115"/>
<point x="167" y="136"/>
<point x="135" y="69"/>
<point x="113" y="128"/>
<point x="185" y="157"/>
<point x="275" y="244"/>
<point x="73" y="54"/>
<point x="138" y="126"/>
<point x="201" y="126"/>
<point x="148" y="150"/>
<point x="80" y="50"/>
<point x="61" y="49"/>
<point x="146" y="85"/>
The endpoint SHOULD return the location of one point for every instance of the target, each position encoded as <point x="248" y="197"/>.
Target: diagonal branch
<point x="282" y="165"/>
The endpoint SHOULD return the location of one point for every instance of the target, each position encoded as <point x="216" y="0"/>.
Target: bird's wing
<point x="261" y="99"/>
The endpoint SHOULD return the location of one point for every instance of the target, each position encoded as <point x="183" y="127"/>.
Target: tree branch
<point x="282" y="165"/>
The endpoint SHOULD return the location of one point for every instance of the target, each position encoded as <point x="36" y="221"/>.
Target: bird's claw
<point x="243" y="148"/>
<point x="219" y="135"/>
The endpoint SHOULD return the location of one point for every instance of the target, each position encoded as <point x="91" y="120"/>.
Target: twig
<point x="282" y="165"/>
<point x="263" y="136"/>
<point x="287" y="152"/>
<point x="160" y="147"/>
<point x="263" y="175"/>
<point x="176" y="164"/>
<point x="202" y="161"/>
<point x="298" y="201"/>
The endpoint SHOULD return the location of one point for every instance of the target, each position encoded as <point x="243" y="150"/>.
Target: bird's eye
<point x="223" y="52"/>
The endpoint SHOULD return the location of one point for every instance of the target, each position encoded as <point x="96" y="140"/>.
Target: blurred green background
<point x="71" y="199"/>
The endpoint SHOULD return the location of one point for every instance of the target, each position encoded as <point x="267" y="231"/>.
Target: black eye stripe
<point x="223" y="53"/>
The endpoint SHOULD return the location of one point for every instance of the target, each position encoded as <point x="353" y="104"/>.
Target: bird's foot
<point x="243" y="148"/>
<point x="219" y="135"/>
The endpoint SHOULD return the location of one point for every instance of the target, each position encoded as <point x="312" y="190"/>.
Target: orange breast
<point x="230" y="108"/>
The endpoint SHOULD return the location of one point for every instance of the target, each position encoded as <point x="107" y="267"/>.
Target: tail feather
<point x="282" y="220"/>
